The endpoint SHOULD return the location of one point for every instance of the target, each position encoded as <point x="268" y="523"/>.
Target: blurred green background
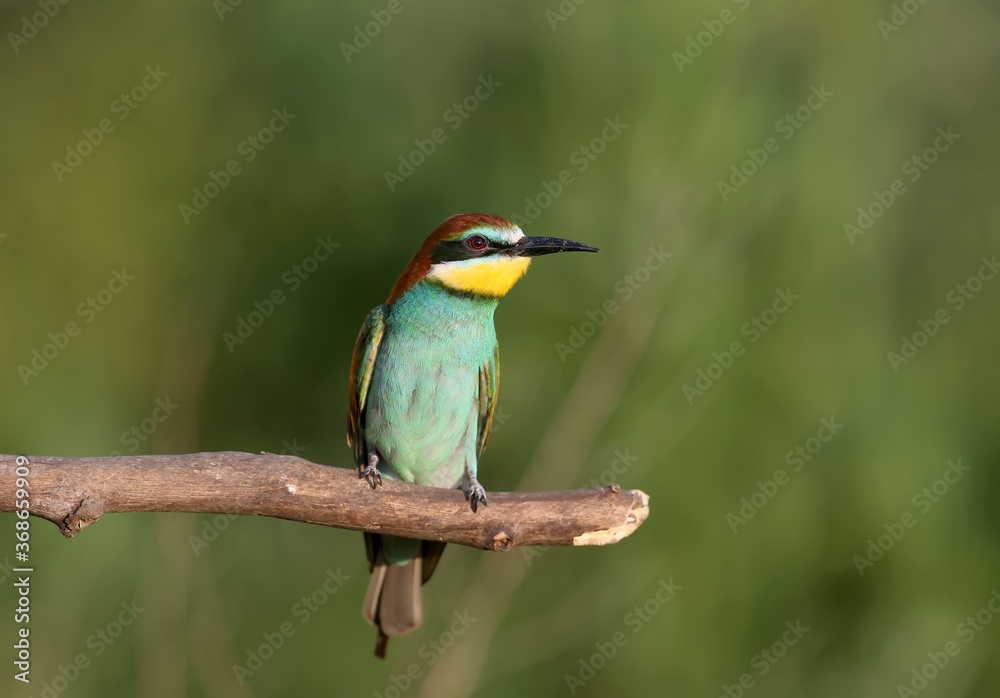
<point x="700" y="90"/>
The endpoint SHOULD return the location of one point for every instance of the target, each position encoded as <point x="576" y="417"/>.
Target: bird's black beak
<point x="533" y="247"/>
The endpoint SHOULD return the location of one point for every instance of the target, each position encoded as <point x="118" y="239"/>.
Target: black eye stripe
<point x="457" y="250"/>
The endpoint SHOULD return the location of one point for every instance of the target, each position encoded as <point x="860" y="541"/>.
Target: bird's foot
<point x="370" y="472"/>
<point x="476" y="494"/>
<point x="372" y="475"/>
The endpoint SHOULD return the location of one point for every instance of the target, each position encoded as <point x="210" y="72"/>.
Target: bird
<point x="423" y="389"/>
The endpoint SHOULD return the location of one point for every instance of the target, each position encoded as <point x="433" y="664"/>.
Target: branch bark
<point x="74" y="493"/>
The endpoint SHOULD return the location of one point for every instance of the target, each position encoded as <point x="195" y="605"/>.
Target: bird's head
<point x="478" y="254"/>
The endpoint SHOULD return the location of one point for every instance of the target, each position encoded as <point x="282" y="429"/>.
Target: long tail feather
<point x="394" y="601"/>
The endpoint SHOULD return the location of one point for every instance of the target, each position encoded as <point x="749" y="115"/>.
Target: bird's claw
<point x="477" y="495"/>
<point x="371" y="475"/>
<point x="370" y="472"/>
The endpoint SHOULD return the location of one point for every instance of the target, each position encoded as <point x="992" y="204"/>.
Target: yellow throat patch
<point x="485" y="277"/>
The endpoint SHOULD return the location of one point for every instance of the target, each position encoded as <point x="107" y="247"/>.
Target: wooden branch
<point x="74" y="493"/>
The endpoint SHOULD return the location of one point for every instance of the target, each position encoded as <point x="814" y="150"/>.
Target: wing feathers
<point x="362" y="368"/>
<point x="489" y="382"/>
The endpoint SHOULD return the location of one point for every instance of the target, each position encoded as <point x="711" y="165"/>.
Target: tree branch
<point x="74" y="493"/>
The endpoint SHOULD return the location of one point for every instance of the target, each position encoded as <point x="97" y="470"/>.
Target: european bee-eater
<point x="423" y="388"/>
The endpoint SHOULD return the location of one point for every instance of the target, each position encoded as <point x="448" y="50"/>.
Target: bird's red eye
<point x="477" y="242"/>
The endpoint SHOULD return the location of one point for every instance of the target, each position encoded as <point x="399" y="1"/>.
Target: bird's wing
<point x="362" y="368"/>
<point x="489" y="386"/>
